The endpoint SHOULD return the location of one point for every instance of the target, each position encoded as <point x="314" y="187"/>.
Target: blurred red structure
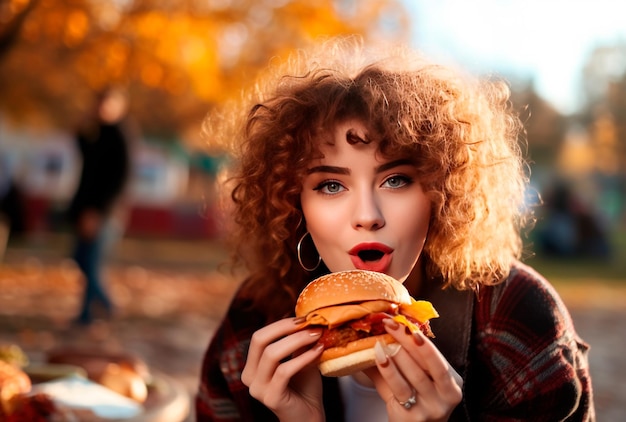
<point x="188" y="221"/>
<point x="172" y="222"/>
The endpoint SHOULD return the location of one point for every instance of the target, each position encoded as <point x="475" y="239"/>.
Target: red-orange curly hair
<point x="463" y="131"/>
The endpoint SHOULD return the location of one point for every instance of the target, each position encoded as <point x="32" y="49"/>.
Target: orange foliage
<point x="183" y="59"/>
<point x="76" y="29"/>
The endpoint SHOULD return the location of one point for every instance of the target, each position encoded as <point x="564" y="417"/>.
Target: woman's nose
<point x="367" y="212"/>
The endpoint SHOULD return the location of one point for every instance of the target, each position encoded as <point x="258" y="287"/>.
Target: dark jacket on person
<point x="105" y="170"/>
<point x="518" y="353"/>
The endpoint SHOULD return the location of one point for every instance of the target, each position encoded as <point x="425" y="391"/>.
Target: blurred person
<point x="97" y="211"/>
<point x="11" y="198"/>
<point x="11" y="203"/>
<point x="349" y="160"/>
<point x="569" y="228"/>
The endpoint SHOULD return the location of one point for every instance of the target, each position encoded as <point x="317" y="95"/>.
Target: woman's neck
<point x="413" y="282"/>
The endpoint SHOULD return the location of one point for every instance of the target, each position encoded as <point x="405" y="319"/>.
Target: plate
<point x="43" y="372"/>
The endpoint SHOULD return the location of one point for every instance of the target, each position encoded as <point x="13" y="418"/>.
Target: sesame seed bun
<point x="342" y="296"/>
<point x="347" y="287"/>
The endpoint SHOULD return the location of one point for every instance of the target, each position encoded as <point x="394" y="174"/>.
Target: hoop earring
<point x="299" y="248"/>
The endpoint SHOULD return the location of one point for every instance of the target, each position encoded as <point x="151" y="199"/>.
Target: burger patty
<point x="370" y="325"/>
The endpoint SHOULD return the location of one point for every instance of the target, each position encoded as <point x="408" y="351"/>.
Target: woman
<point x="400" y="166"/>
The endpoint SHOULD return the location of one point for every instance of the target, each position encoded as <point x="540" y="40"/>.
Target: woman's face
<point x="364" y="211"/>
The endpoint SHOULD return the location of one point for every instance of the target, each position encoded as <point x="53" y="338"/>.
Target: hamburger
<point x="350" y="307"/>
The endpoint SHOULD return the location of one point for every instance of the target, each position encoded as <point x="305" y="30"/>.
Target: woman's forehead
<point x="353" y="130"/>
<point x="358" y="134"/>
<point x="328" y="150"/>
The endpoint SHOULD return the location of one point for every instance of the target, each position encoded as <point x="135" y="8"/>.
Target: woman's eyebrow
<point x="328" y="169"/>
<point x="395" y="163"/>
<point x="346" y="171"/>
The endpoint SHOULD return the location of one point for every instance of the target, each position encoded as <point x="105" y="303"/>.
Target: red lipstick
<point x="372" y="256"/>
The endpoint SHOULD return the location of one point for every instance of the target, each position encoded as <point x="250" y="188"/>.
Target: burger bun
<point x="349" y="287"/>
<point x="341" y="361"/>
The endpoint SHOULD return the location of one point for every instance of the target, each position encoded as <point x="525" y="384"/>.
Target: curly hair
<point x="462" y="130"/>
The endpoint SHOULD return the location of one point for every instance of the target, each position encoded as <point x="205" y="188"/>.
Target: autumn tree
<point x="176" y="57"/>
<point x="544" y="126"/>
<point x="604" y="89"/>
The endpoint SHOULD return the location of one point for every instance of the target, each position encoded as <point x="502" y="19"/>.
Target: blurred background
<point x="177" y="60"/>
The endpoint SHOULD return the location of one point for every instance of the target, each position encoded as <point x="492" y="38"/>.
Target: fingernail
<point x="393" y="325"/>
<point x="418" y="338"/>
<point x="381" y="356"/>
<point x="318" y="347"/>
<point x="315" y="333"/>
<point x="392" y="349"/>
<point x="299" y="320"/>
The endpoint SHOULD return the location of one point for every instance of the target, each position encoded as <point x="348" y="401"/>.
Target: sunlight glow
<point x="545" y="41"/>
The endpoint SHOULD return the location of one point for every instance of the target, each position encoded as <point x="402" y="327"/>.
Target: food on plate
<point x="124" y="380"/>
<point x="17" y="401"/>
<point x="350" y="306"/>
<point x="13" y="354"/>
<point x="13" y="383"/>
<point x="74" y="385"/>
<point x="95" y="361"/>
<point x="36" y="408"/>
<point x="123" y="373"/>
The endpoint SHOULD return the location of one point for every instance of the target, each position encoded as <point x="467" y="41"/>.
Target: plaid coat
<point x="519" y="355"/>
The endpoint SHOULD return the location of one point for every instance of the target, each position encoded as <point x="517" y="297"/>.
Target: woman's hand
<point x="419" y="374"/>
<point x="281" y="372"/>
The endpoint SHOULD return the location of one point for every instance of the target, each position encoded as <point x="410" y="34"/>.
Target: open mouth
<point x="372" y="256"/>
<point x="369" y="255"/>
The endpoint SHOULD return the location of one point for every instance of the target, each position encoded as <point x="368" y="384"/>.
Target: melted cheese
<point x="333" y="316"/>
<point x="421" y="310"/>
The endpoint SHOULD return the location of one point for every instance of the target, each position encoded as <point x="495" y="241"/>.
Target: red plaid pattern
<point x="525" y="361"/>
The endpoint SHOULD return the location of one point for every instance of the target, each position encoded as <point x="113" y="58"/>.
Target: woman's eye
<point x="330" y="187"/>
<point x="395" y="182"/>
